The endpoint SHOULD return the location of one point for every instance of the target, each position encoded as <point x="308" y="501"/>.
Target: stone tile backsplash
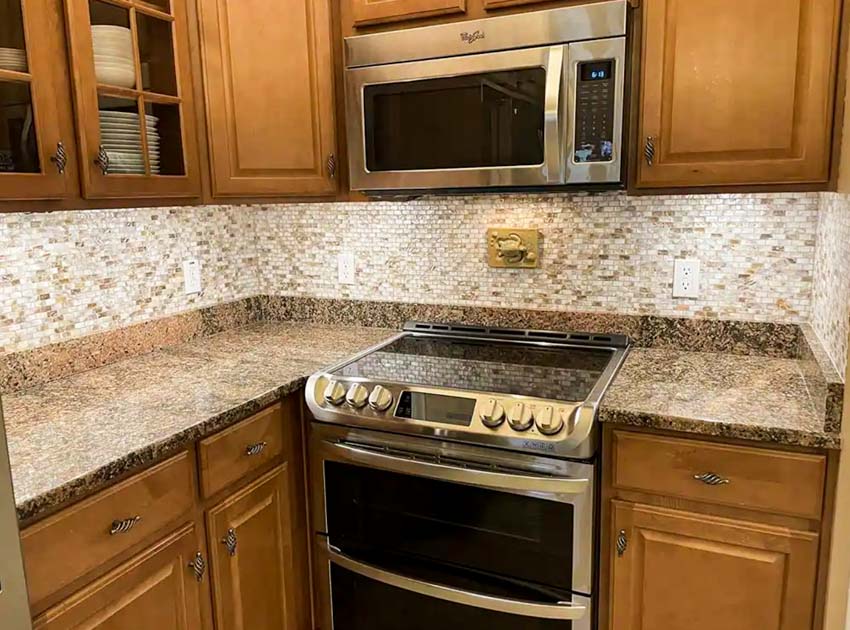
<point x="602" y="252"/>
<point x="64" y="275"/>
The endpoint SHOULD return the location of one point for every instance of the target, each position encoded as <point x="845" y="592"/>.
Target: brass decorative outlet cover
<point x="513" y="248"/>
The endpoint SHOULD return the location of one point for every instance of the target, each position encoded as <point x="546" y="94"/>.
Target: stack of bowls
<point x="13" y="59"/>
<point x="113" y="55"/>
<point x="121" y="136"/>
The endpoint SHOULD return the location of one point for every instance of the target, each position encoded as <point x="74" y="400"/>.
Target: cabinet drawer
<point x="757" y="479"/>
<point x="66" y="546"/>
<point x="228" y="456"/>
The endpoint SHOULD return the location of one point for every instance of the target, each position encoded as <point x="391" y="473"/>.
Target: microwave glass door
<point x="470" y="121"/>
<point x="479" y="120"/>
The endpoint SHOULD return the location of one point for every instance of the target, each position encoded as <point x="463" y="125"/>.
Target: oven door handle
<point x="554" y="488"/>
<point x="562" y="611"/>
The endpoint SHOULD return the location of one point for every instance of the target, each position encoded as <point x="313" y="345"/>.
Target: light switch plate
<point x="191" y="276"/>
<point x="346" y="268"/>
<point x="686" y="278"/>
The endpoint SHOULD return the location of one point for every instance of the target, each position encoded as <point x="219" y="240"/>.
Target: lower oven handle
<point x="562" y="611"/>
<point x="559" y="489"/>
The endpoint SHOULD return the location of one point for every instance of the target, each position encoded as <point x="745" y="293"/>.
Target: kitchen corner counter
<point x="72" y="437"/>
<point x="723" y="395"/>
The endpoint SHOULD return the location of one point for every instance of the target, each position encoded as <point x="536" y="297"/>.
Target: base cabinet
<point x="254" y="558"/>
<point x="158" y="589"/>
<point x="678" y="570"/>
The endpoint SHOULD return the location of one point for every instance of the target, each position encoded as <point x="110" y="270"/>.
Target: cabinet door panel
<point x="37" y="149"/>
<point x="134" y="98"/>
<point x="737" y="93"/>
<point x="257" y="557"/>
<point x="377" y="11"/>
<point x="269" y="92"/>
<point x="156" y="589"/>
<point x="683" y="571"/>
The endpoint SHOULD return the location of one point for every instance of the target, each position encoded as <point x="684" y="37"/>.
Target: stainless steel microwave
<point x="527" y="100"/>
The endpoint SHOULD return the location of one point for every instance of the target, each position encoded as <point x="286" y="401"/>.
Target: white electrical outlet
<point x="686" y="279"/>
<point x="191" y="277"/>
<point x="345" y="267"/>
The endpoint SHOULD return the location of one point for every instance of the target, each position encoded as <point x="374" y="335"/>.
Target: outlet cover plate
<point x="346" y="268"/>
<point x="686" y="278"/>
<point x="191" y="277"/>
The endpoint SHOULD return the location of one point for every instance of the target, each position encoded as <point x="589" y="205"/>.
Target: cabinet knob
<point x="622" y="543"/>
<point x="123" y="525"/>
<point x="102" y="160"/>
<point x="60" y="158"/>
<point x="711" y="479"/>
<point x="230" y="542"/>
<point x="198" y="566"/>
<point x="649" y="150"/>
<point x="332" y="166"/>
<point x="255" y="449"/>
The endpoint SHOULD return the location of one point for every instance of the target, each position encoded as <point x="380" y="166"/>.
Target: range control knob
<point x="492" y="413"/>
<point x="548" y="422"/>
<point x="334" y="393"/>
<point x="381" y="398"/>
<point x="520" y="417"/>
<point x="357" y="395"/>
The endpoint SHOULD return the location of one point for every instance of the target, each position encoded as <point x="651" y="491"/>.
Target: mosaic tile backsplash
<point x="69" y="274"/>
<point x="607" y="252"/>
<point x="831" y="289"/>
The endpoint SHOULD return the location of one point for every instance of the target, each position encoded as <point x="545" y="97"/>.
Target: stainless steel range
<point x="453" y="475"/>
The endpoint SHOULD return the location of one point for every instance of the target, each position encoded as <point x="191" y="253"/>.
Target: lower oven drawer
<point x="362" y="596"/>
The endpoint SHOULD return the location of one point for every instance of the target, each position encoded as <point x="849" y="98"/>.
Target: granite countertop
<point x="725" y="395"/>
<point x="76" y="435"/>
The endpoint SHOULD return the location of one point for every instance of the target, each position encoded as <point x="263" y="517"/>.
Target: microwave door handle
<point x="553" y="488"/>
<point x="552" y="137"/>
<point x="561" y="611"/>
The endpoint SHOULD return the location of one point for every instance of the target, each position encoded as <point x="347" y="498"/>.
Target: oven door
<point x="483" y="120"/>
<point x="416" y="533"/>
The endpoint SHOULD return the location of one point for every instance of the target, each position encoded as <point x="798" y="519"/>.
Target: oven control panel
<point x="464" y="413"/>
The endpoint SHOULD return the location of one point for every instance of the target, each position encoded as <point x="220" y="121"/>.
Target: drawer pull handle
<point x="122" y="526"/>
<point x="198" y="566"/>
<point x="255" y="449"/>
<point x="230" y="542"/>
<point x="622" y="543"/>
<point x="711" y="479"/>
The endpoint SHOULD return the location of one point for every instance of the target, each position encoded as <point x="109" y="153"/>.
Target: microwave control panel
<point x="594" y="123"/>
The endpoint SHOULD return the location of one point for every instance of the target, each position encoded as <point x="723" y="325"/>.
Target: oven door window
<point x="491" y="540"/>
<point x="493" y="119"/>
<point x="360" y="602"/>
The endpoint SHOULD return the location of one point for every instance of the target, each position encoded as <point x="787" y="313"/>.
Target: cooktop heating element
<point x="524" y="390"/>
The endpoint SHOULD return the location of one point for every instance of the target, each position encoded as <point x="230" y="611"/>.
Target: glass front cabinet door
<point x="133" y="90"/>
<point x="37" y="150"/>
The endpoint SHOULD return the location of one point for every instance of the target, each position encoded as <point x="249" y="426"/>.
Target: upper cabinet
<point x="133" y="92"/>
<point x="37" y="147"/>
<point x="736" y="93"/>
<point x="268" y="80"/>
<point x="377" y="11"/>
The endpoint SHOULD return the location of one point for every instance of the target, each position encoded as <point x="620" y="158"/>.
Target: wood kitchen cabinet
<point x="736" y="93"/>
<point x="156" y="154"/>
<point x="255" y="553"/>
<point x="679" y="570"/>
<point x="377" y="11"/>
<point x="157" y="589"/>
<point x="37" y="148"/>
<point x="269" y="97"/>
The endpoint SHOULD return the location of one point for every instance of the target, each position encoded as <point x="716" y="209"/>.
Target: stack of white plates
<point x="13" y="59"/>
<point x="121" y="136"/>
<point x="113" y="55"/>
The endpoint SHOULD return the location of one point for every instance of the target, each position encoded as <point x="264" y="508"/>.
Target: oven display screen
<point x="435" y="408"/>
